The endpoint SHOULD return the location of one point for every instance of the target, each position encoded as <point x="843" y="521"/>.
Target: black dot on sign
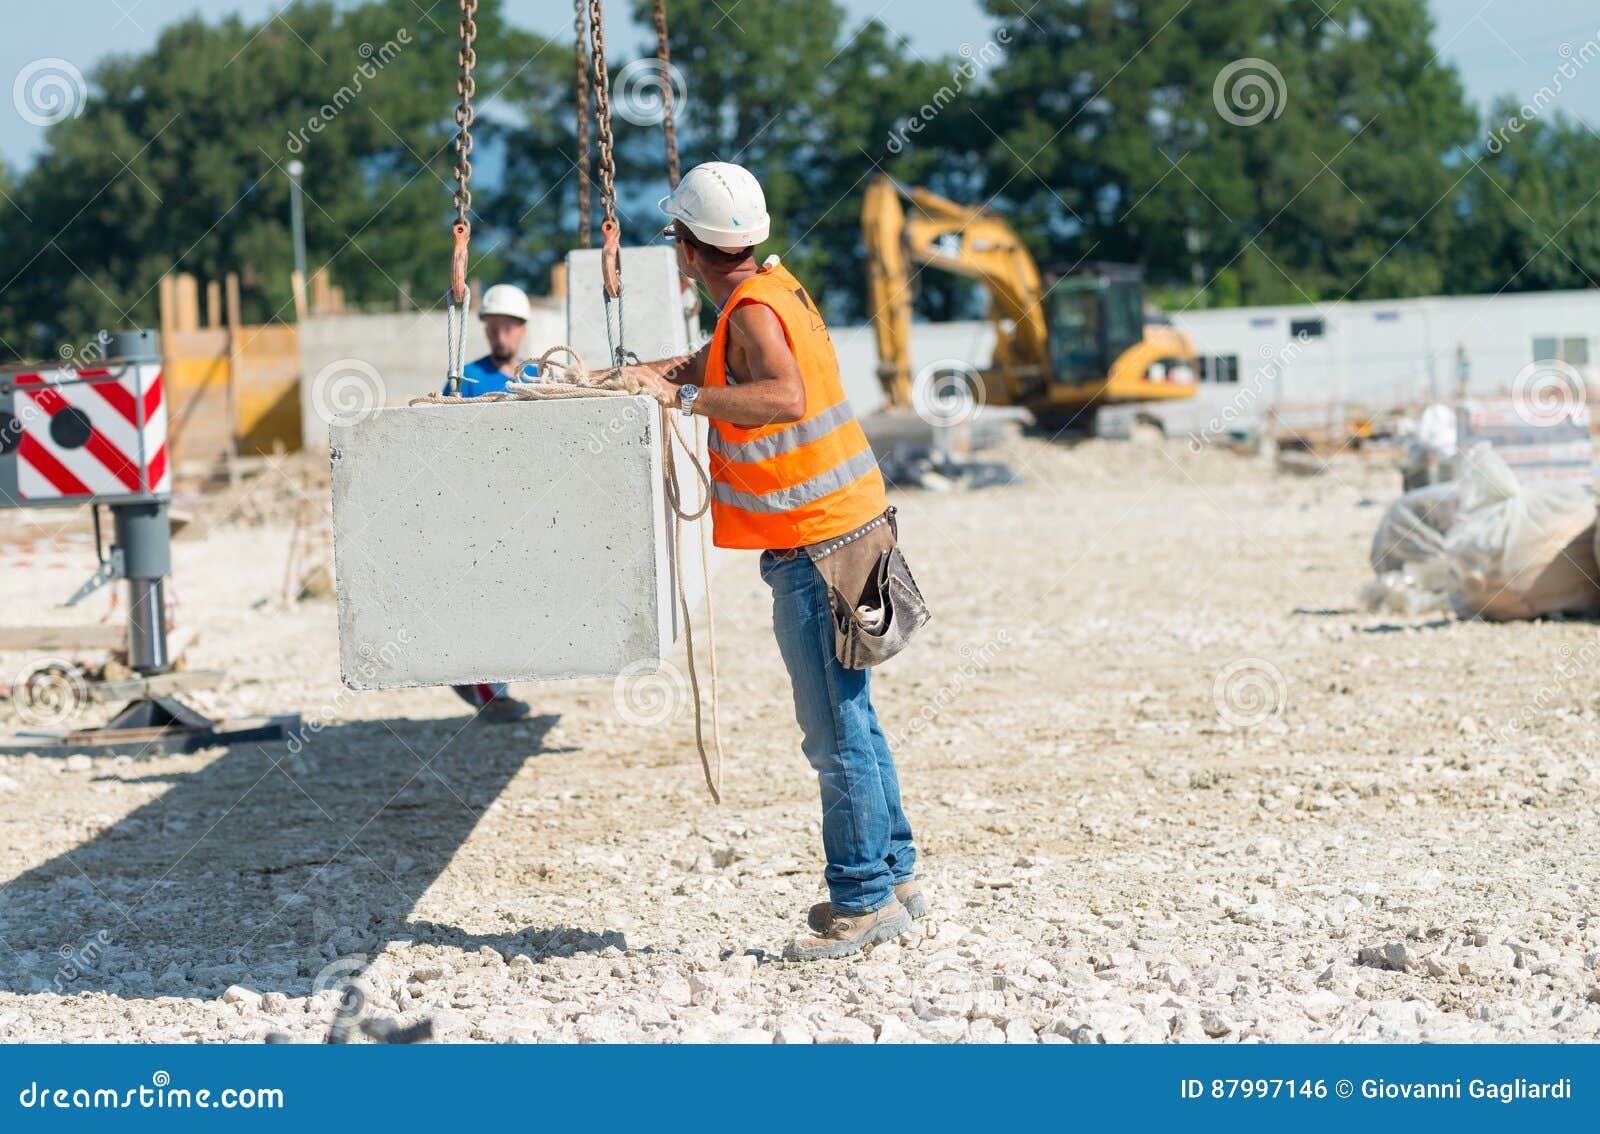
<point x="70" y="428"/>
<point x="10" y="433"/>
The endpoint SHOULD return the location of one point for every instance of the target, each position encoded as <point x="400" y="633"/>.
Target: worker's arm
<point x="770" y="390"/>
<point x="676" y="370"/>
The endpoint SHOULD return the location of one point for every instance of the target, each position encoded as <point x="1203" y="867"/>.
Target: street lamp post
<point x="297" y="219"/>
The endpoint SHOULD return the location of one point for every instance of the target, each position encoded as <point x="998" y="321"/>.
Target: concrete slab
<point x="653" y="322"/>
<point x="504" y="541"/>
<point x="352" y="363"/>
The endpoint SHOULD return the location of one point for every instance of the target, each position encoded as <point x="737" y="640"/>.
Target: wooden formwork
<point x="232" y="388"/>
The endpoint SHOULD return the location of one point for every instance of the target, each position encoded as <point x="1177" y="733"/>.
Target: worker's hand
<point x="654" y="385"/>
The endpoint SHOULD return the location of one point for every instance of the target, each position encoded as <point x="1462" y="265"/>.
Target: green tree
<point x="790" y="89"/>
<point x="177" y="164"/>
<point x="1280" y="151"/>
<point x="1528" y="221"/>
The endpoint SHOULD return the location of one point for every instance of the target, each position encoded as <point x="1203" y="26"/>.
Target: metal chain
<point x="602" y="99"/>
<point x="669" y="119"/>
<point x="611" y="241"/>
<point x="581" y="82"/>
<point x="456" y="308"/>
<point x="466" y="87"/>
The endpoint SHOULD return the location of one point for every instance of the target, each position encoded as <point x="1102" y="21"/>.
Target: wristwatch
<point x="687" y="393"/>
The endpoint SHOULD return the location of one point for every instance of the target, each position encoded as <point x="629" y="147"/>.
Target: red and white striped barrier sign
<point x="91" y="433"/>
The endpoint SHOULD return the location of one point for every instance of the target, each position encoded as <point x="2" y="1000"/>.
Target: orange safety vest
<point x="799" y="482"/>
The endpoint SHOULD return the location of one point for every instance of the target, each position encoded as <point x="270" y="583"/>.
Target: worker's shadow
<point x="280" y="867"/>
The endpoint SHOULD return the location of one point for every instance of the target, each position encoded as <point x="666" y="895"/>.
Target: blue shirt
<point x="484" y="377"/>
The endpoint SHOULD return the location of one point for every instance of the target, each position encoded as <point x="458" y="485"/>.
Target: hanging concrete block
<point x="652" y="317"/>
<point x="507" y="541"/>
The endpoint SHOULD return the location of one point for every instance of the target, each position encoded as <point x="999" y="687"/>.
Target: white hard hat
<point x="506" y="299"/>
<point x="722" y="204"/>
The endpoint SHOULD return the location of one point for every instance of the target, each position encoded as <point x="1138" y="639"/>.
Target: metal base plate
<point x="140" y="687"/>
<point x="157" y="726"/>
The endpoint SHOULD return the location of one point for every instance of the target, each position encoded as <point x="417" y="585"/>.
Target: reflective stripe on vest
<point x="786" y="499"/>
<point x="790" y="437"/>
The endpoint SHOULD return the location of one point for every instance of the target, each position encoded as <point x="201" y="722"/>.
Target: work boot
<point x="851" y="933"/>
<point x="909" y="894"/>
<point x="503" y="710"/>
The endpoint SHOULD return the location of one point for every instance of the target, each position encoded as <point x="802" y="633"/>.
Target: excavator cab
<point x="1096" y="316"/>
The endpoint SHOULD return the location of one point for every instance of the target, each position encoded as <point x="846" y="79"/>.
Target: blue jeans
<point x="865" y="834"/>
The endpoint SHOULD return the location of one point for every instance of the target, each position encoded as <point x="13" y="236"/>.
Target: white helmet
<point x="722" y="204"/>
<point x="506" y="299"/>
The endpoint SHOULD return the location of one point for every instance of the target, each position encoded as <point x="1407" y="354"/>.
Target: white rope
<point x="576" y="382"/>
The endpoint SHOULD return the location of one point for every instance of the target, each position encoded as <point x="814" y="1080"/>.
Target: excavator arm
<point x="903" y="227"/>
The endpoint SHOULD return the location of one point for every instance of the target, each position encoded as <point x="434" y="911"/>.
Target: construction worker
<point x="791" y="469"/>
<point x="504" y="312"/>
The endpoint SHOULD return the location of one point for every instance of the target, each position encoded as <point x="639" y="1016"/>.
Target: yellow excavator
<point x="1060" y="350"/>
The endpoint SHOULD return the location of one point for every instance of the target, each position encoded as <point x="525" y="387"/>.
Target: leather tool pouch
<point x="875" y="602"/>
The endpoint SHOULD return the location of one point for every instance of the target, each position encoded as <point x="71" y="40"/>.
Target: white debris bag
<point x="1520" y="550"/>
<point x="1414" y="527"/>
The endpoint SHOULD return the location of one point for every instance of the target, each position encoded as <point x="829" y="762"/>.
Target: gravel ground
<point x="1169" y="783"/>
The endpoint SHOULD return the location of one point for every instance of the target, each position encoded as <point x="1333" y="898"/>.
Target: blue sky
<point x="1500" y="46"/>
